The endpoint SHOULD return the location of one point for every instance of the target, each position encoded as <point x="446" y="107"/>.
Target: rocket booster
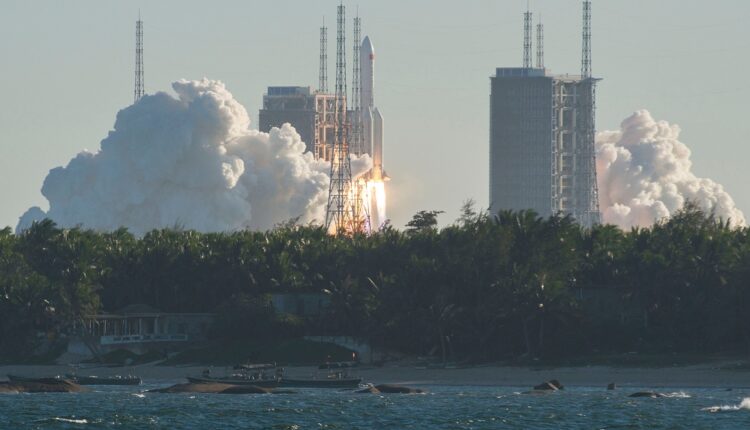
<point x="372" y="120"/>
<point x="367" y="73"/>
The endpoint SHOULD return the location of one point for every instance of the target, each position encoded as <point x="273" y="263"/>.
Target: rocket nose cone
<point x="367" y="46"/>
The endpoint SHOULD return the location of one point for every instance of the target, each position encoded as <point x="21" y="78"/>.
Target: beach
<point x="707" y="375"/>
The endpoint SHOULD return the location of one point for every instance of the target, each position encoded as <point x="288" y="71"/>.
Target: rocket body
<point x="372" y="120"/>
<point x="372" y="135"/>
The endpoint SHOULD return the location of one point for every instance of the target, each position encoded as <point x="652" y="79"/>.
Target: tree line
<point x="486" y="287"/>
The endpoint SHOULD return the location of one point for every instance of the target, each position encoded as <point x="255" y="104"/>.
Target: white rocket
<point x="372" y="139"/>
<point x="372" y="120"/>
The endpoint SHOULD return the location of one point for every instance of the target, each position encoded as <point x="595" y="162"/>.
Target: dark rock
<point x="51" y="386"/>
<point x="245" y="389"/>
<point x="649" y="394"/>
<point x="369" y="390"/>
<point x="611" y="386"/>
<point x="551" y="385"/>
<point x="396" y="389"/>
<point x="216" y="388"/>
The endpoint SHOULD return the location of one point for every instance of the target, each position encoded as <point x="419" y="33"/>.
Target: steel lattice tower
<point x="138" y="92"/>
<point x="586" y="47"/>
<point x="527" y="40"/>
<point x="587" y="182"/>
<point x="540" y="45"/>
<point x="339" y="213"/>
<point x="356" y="107"/>
<point x="323" y="75"/>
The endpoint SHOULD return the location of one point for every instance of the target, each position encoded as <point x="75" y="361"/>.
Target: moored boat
<point x="104" y="380"/>
<point x="43" y="380"/>
<point x="80" y="380"/>
<point x="259" y="375"/>
<point x="337" y="376"/>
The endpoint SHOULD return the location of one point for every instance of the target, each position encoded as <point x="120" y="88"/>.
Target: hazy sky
<point x="67" y="69"/>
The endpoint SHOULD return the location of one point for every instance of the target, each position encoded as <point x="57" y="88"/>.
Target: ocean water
<point x="444" y="407"/>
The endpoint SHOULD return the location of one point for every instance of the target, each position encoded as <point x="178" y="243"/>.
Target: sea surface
<point x="445" y="407"/>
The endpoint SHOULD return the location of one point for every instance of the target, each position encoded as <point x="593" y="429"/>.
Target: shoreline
<point x="709" y="375"/>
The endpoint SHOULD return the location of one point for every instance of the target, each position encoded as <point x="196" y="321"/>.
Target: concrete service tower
<point x="372" y="134"/>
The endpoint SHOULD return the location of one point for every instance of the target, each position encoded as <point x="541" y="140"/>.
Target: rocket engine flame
<point x="377" y="204"/>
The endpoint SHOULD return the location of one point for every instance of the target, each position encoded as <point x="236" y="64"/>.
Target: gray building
<point x="310" y="113"/>
<point x="542" y="154"/>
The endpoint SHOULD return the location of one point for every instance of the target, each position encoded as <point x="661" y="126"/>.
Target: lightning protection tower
<point x="323" y="75"/>
<point x="339" y="212"/>
<point x="138" y="92"/>
<point x="585" y="180"/>
<point x="356" y="108"/>
<point x="540" y="44"/>
<point x="527" y="40"/>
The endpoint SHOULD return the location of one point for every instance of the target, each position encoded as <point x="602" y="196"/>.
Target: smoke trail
<point x="644" y="175"/>
<point x="190" y="161"/>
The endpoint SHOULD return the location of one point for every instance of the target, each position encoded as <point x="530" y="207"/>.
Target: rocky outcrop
<point x="46" y="386"/>
<point x="611" y="386"/>
<point x="551" y="385"/>
<point x="391" y="389"/>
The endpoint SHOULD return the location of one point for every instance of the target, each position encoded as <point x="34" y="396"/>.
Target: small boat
<point x="337" y="377"/>
<point x="80" y="380"/>
<point x="259" y="375"/>
<point x="44" y="380"/>
<point x="104" y="380"/>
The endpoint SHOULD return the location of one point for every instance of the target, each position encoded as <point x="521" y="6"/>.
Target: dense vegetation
<point x="483" y="288"/>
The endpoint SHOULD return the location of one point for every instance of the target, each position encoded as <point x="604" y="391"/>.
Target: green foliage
<point x="487" y="287"/>
<point x="423" y="221"/>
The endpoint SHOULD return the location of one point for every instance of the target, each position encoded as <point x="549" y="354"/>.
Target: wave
<point x="744" y="405"/>
<point x="71" y="420"/>
<point x="678" y="395"/>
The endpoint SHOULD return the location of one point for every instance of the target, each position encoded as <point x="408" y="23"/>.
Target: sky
<point x="67" y="69"/>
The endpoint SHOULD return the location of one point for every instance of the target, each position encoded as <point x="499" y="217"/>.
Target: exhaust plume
<point x="644" y="175"/>
<point x="189" y="161"/>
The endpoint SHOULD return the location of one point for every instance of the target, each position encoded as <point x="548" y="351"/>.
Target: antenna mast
<point x="527" y="39"/>
<point x="323" y="75"/>
<point x="540" y="44"/>
<point x="138" y="92"/>
<point x="339" y="214"/>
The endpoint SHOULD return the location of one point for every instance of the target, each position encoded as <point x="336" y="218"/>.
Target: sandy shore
<point x="705" y="375"/>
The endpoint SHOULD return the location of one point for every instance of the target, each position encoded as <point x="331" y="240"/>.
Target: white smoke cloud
<point x="190" y="161"/>
<point x="644" y="175"/>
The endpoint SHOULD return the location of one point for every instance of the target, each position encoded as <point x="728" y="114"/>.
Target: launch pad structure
<point x="334" y="130"/>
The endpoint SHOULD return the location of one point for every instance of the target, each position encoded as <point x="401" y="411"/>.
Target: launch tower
<point x="542" y="130"/>
<point x="343" y="213"/>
